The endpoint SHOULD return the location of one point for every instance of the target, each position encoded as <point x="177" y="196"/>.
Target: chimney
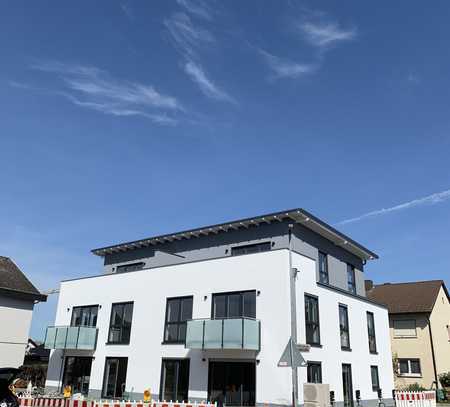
<point x="368" y="285"/>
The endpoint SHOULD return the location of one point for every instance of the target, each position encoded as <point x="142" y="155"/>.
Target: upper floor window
<point x="351" y="280"/>
<point x="343" y="323"/>
<point x="251" y="248"/>
<point x="409" y="367"/>
<point x="323" y="268"/>
<point x="375" y="378"/>
<point x="130" y="267"/>
<point x="120" y="323"/>
<point x="404" y="328"/>
<point x="312" y="320"/>
<point x="371" y="332"/>
<point x="84" y="316"/>
<point x="178" y="311"/>
<point x="234" y="305"/>
<point x="314" y="372"/>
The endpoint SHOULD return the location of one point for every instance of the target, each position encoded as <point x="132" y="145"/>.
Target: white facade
<point x="268" y="274"/>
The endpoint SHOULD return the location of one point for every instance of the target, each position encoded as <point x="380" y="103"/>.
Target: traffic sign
<point x="296" y="359"/>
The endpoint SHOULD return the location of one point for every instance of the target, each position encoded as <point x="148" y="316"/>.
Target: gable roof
<point x="404" y="298"/>
<point x="14" y="283"/>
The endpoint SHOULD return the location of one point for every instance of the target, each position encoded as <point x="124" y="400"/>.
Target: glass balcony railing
<point x="233" y="333"/>
<point x="71" y="337"/>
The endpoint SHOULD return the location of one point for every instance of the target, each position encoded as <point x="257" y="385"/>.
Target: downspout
<point x="432" y="353"/>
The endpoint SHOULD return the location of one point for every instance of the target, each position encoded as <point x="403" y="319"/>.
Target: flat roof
<point x="298" y="215"/>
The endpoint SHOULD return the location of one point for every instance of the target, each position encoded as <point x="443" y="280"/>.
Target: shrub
<point x="414" y="387"/>
<point x="444" y="378"/>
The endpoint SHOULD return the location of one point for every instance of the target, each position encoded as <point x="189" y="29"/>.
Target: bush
<point x="414" y="387"/>
<point x="444" y="378"/>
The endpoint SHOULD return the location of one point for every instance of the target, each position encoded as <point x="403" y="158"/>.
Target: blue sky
<point x="122" y="120"/>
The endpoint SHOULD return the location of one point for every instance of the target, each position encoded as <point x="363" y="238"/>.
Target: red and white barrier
<point x="60" y="402"/>
<point x="415" y="398"/>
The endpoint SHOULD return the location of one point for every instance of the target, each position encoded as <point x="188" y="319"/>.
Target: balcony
<point x="233" y="333"/>
<point x="71" y="337"/>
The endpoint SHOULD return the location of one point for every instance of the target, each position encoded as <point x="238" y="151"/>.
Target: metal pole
<point x="292" y="276"/>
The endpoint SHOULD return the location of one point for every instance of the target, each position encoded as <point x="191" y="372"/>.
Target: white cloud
<point x="284" y="68"/>
<point x="427" y="200"/>
<point x="323" y="34"/>
<point x="128" y="11"/>
<point x="198" y="8"/>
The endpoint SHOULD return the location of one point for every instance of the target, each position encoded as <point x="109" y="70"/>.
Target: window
<point x="409" y="367"/>
<point x="251" y="248"/>
<point x="84" y="316"/>
<point x="130" y="267"/>
<point x="312" y="320"/>
<point x="323" y="268"/>
<point x="375" y="378"/>
<point x="351" y="281"/>
<point x="347" y="384"/>
<point x="343" y="323"/>
<point x="174" y="380"/>
<point x="314" y="372"/>
<point x="115" y="377"/>
<point x="405" y="328"/>
<point x="234" y="305"/>
<point x="178" y="311"/>
<point x="120" y="323"/>
<point x="77" y="373"/>
<point x="371" y="332"/>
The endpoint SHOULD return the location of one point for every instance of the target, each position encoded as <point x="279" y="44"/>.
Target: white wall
<point x="15" y="320"/>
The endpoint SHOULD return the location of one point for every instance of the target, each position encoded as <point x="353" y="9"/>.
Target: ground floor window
<point x="174" y="380"/>
<point x="347" y="385"/>
<point x="77" y="373"/>
<point x="409" y="367"/>
<point x="375" y="378"/>
<point x="314" y="372"/>
<point x="115" y="377"/>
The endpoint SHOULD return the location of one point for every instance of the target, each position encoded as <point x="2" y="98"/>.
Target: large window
<point x="84" y="316"/>
<point x="115" y="377"/>
<point x="124" y="268"/>
<point x="323" y="268"/>
<point x="409" y="367"/>
<point x="174" y="380"/>
<point x="405" y="328"/>
<point x="344" y="328"/>
<point x="120" y="323"/>
<point x="178" y="311"/>
<point x="314" y="372"/>
<point x="375" y="378"/>
<point x="312" y="320"/>
<point x="251" y="248"/>
<point x="77" y="373"/>
<point x="234" y="305"/>
<point x="347" y="384"/>
<point x="371" y="333"/>
<point x="351" y="280"/>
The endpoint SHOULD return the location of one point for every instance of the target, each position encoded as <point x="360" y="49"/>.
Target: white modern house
<point x="207" y="314"/>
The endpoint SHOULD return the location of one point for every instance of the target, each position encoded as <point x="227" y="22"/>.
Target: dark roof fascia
<point x="23" y="295"/>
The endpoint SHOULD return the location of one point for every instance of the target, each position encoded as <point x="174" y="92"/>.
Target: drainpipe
<point x="293" y="341"/>
<point x="432" y="353"/>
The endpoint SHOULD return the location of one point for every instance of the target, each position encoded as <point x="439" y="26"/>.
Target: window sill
<point x="412" y="375"/>
<point x="315" y="345"/>
<point x="373" y="353"/>
<point x="346" y="349"/>
<point x="172" y="343"/>
<point x="117" y="343"/>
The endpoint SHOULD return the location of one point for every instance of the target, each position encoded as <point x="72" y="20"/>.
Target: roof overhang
<point x="23" y="295"/>
<point x="299" y="215"/>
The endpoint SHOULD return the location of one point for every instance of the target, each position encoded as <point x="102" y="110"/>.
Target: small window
<point x="405" y="328"/>
<point x="351" y="280"/>
<point x="237" y="304"/>
<point x="251" y="248"/>
<point x="84" y="316"/>
<point x="314" y="372"/>
<point x="178" y="311"/>
<point x="323" y="268"/>
<point x="312" y="320"/>
<point x="114" y="380"/>
<point x="174" y="380"/>
<point x="130" y="267"/>
<point x="344" y="328"/>
<point x="375" y="378"/>
<point x="371" y="333"/>
<point x="120" y="323"/>
<point x="409" y="367"/>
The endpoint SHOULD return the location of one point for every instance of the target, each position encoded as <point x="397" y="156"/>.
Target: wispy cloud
<point x="93" y="88"/>
<point x="413" y="78"/>
<point x="128" y="11"/>
<point x="323" y="34"/>
<point x="198" y="8"/>
<point x="284" y="68"/>
<point x="432" y="199"/>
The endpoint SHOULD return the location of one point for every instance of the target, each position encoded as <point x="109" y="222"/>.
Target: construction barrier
<point x="60" y="402"/>
<point x="415" y="398"/>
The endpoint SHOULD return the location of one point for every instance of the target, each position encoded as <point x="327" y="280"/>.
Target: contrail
<point x="430" y="199"/>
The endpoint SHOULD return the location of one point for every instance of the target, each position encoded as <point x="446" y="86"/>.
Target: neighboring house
<point x="17" y="299"/>
<point x="419" y="319"/>
<point x="36" y="363"/>
<point x="205" y="313"/>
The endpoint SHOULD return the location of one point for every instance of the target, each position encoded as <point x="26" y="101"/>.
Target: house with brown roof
<point x="419" y="320"/>
<point x="17" y="299"/>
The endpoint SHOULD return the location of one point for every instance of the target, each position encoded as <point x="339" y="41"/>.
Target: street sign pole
<point x="293" y="341"/>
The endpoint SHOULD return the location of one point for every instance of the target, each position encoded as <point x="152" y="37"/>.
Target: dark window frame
<point x="128" y="268"/>
<point x="344" y="329"/>
<point x="351" y="282"/>
<point x="323" y="274"/>
<point x="371" y="335"/>
<point x="178" y="323"/>
<point x="248" y="248"/>
<point x="227" y="294"/>
<point x="66" y="373"/>
<point x="161" y="380"/>
<point x="309" y="365"/>
<point x="410" y="372"/>
<point x="312" y="324"/>
<point x="72" y="322"/>
<point x="104" y="386"/>
<point x="121" y="327"/>
<point x="375" y="386"/>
